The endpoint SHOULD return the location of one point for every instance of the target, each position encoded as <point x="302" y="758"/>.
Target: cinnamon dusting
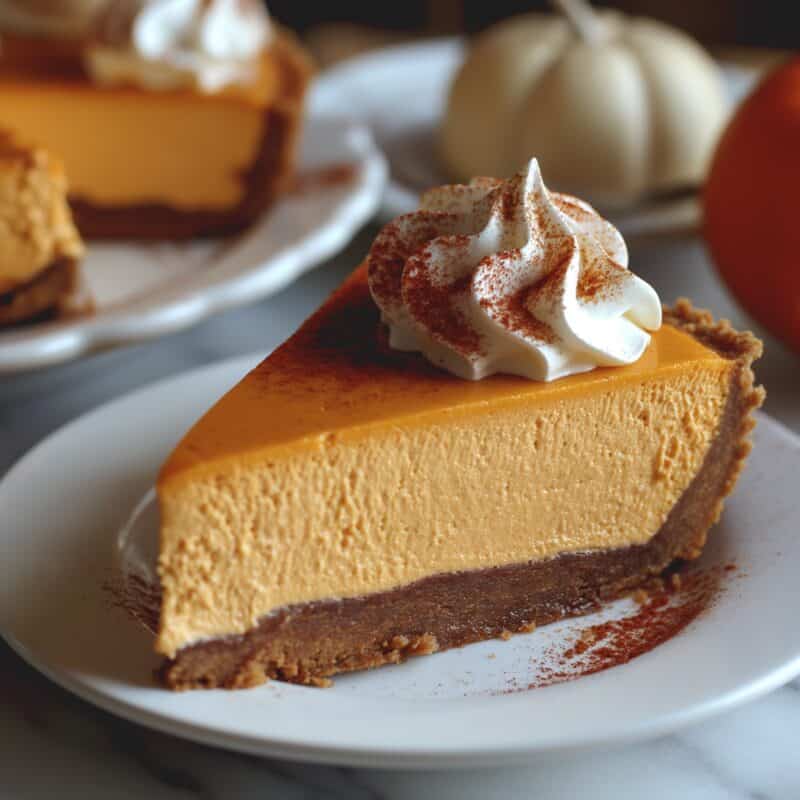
<point x="661" y="613"/>
<point x="436" y="305"/>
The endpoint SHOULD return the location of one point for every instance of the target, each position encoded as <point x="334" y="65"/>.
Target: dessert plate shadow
<point x="64" y="504"/>
<point x="416" y="78"/>
<point x="146" y="290"/>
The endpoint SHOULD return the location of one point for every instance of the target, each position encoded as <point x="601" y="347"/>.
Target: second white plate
<point x="64" y="502"/>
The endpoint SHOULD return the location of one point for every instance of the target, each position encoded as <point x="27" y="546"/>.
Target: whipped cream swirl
<point x="170" y="44"/>
<point x="506" y="276"/>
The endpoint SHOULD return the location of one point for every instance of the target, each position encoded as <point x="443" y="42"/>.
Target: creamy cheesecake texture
<point x="36" y="228"/>
<point x="254" y="522"/>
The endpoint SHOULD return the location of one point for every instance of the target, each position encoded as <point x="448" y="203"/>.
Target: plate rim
<point x="144" y="319"/>
<point x="385" y="758"/>
<point x="374" y="756"/>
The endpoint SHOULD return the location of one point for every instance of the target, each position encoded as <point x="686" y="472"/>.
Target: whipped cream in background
<point x="505" y="276"/>
<point x="170" y="44"/>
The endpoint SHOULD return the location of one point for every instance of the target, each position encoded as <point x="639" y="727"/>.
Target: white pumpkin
<point x="632" y="110"/>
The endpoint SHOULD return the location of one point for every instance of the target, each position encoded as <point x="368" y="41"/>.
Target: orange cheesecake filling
<point x="177" y="132"/>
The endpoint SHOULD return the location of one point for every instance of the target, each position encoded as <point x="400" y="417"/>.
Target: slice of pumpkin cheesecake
<point x="487" y="428"/>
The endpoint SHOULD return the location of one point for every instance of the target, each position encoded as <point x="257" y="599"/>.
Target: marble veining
<point x="55" y="745"/>
<point x="58" y="746"/>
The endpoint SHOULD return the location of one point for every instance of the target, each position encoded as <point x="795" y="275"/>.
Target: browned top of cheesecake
<point x="341" y="355"/>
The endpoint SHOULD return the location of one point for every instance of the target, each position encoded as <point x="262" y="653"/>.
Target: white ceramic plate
<point x="63" y="504"/>
<point x="400" y="92"/>
<point x="148" y="290"/>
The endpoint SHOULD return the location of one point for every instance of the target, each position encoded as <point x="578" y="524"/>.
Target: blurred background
<point x="340" y="29"/>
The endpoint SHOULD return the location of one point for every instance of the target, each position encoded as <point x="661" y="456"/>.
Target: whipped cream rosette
<point x="169" y="44"/>
<point x="506" y="276"/>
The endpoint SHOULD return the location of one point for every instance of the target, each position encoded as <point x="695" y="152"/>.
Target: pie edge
<point x="742" y="347"/>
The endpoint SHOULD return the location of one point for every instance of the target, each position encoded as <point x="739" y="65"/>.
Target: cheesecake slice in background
<point x="40" y="248"/>
<point x="189" y="133"/>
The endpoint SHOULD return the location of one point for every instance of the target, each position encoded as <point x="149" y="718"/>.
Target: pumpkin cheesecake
<point x="173" y="119"/>
<point x="491" y="425"/>
<point x="40" y="249"/>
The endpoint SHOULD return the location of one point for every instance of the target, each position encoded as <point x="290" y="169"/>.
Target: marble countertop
<point x="56" y="745"/>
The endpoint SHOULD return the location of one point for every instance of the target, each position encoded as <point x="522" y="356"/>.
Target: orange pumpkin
<point x="752" y="204"/>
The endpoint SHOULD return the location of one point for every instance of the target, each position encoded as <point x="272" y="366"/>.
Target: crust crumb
<point x="640" y="597"/>
<point x="505" y="635"/>
<point x="589" y="636"/>
<point x="423" y="645"/>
